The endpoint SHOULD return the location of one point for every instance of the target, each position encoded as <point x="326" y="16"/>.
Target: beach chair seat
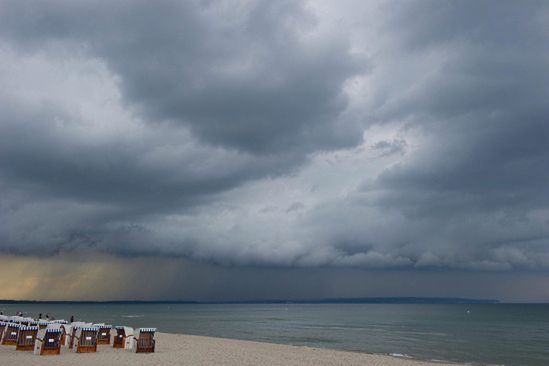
<point x="104" y="334"/>
<point x="48" y="342"/>
<point x="26" y="338"/>
<point x="10" y="334"/>
<point x="144" y="341"/>
<point x="123" y="337"/>
<point x="85" y="340"/>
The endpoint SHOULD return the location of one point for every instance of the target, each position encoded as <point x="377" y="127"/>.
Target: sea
<point x="486" y="334"/>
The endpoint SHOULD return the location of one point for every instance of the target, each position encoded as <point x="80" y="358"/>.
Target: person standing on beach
<point x="72" y="319"/>
<point x="40" y="316"/>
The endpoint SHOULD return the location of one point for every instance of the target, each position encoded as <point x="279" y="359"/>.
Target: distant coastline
<point x="358" y="300"/>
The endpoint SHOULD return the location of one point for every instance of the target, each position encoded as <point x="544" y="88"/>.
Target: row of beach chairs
<point x="47" y="337"/>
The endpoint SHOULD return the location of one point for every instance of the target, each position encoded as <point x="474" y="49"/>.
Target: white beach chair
<point x="48" y="341"/>
<point x="26" y="338"/>
<point x="71" y="332"/>
<point x="123" y="338"/>
<point x="104" y="334"/>
<point x="85" y="340"/>
<point x="10" y="334"/>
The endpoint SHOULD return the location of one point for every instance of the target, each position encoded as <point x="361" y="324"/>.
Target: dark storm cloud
<point x="475" y="192"/>
<point x="220" y="118"/>
<point x="219" y="94"/>
<point x="250" y="77"/>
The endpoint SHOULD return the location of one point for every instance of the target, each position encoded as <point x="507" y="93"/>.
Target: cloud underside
<point x="277" y="133"/>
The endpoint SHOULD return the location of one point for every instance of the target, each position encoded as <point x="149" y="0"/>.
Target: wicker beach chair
<point x="2" y="329"/>
<point x="48" y="341"/>
<point x="123" y="337"/>
<point x="71" y="332"/>
<point x="144" y="340"/>
<point x="26" y="338"/>
<point x="42" y="324"/>
<point x="85" y="340"/>
<point x="104" y="334"/>
<point x="10" y="334"/>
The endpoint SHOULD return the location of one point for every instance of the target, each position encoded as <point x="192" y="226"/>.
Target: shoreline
<point x="190" y="350"/>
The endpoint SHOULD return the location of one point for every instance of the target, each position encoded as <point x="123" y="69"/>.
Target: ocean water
<point x="496" y="334"/>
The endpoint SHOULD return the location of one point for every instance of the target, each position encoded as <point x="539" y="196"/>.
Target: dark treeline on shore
<point x="360" y="300"/>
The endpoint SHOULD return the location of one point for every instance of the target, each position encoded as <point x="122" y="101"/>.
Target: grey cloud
<point x="248" y="77"/>
<point x="242" y="115"/>
<point x="386" y="148"/>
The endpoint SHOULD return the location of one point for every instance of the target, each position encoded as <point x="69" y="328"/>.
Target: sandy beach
<point x="178" y="349"/>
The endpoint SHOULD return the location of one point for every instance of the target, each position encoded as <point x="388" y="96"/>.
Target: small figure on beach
<point x="47" y="316"/>
<point x="40" y="316"/>
<point x="72" y="319"/>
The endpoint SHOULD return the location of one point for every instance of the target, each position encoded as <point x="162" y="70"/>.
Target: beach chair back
<point x="48" y="342"/>
<point x="86" y="339"/>
<point x="104" y="334"/>
<point x="10" y="334"/>
<point x="144" y="340"/>
<point x="26" y="338"/>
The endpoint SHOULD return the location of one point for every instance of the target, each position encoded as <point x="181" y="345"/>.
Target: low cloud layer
<point x="278" y="134"/>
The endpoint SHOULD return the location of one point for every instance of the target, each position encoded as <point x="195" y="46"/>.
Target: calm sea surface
<point x="503" y="334"/>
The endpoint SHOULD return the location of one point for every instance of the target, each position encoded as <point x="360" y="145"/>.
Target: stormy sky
<point x="274" y="149"/>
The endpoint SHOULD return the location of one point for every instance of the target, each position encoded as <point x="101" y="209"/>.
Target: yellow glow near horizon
<point x="80" y="277"/>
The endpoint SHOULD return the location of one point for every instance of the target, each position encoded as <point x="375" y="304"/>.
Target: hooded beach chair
<point x="143" y="340"/>
<point x="2" y="329"/>
<point x="48" y="341"/>
<point x="10" y="334"/>
<point x="42" y="324"/>
<point x="123" y="337"/>
<point x="26" y="338"/>
<point x="85" y="340"/>
<point x="104" y="334"/>
<point x="64" y="328"/>
<point x="71" y="332"/>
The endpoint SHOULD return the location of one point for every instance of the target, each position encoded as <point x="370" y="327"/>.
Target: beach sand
<point x="179" y="349"/>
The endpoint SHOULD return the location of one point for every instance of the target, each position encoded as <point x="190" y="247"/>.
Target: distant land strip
<point x="358" y="300"/>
